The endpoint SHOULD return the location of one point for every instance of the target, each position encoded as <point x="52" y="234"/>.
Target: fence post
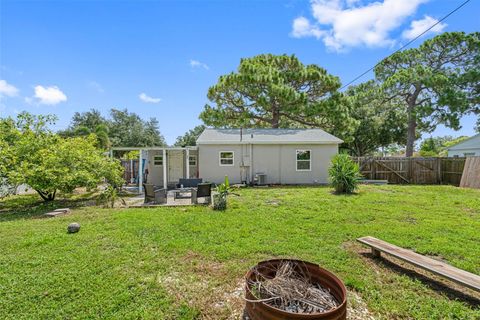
<point x="374" y="168"/>
<point x="439" y="170"/>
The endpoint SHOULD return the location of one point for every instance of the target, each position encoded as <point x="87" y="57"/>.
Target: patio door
<point x="175" y="166"/>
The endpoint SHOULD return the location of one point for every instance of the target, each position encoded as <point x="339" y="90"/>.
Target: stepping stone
<point x="73" y="227"/>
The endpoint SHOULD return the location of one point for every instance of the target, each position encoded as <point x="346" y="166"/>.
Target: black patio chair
<point x="204" y="190"/>
<point x="154" y="194"/>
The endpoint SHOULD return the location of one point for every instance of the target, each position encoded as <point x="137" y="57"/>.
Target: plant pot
<point x="263" y="311"/>
<point x="219" y="202"/>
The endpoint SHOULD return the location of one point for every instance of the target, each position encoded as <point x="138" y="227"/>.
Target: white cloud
<point x="145" y="98"/>
<point x="419" y="26"/>
<point x="96" y="86"/>
<point x="343" y="24"/>
<point x="7" y="89"/>
<point x="198" y="64"/>
<point x="49" y="95"/>
<point x="303" y="28"/>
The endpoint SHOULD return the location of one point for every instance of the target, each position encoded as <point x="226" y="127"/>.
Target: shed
<point x="281" y="156"/>
<point x="466" y="148"/>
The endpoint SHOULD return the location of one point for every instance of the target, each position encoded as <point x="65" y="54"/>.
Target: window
<point x="192" y="160"/>
<point x="469" y="154"/>
<point x="226" y="158"/>
<point x="158" y="160"/>
<point x="303" y="160"/>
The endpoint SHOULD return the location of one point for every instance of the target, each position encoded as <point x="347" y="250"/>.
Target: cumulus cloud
<point x="7" y="89"/>
<point x="419" y="26"/>
<point x="49" y="95"/>
<point x="303" y="28"/>
<point x="147" y="99"/>
<point x="198" y="64"/>
<point x="343" y="24"/>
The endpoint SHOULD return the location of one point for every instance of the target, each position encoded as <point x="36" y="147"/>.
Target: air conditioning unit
<point x="260" y="178"/>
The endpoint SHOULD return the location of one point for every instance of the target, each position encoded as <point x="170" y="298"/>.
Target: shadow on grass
<point x="32" y="206"/>
<point x="440" y="287"/>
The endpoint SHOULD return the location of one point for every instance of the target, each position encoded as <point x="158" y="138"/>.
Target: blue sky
<point x="158" y="58"/>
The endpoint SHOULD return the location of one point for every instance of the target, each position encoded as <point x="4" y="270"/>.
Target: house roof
<point x="471" y="143"/>
<point x="266" y="136"/>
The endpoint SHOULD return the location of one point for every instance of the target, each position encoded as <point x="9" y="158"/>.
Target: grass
<point x="188" y="263"/>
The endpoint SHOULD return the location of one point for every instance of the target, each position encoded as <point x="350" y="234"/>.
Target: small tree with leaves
<point x="49" y="163"/>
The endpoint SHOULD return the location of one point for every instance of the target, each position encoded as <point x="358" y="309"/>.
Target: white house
<point x="466" y="148"/>
<point x="279" y="156"/>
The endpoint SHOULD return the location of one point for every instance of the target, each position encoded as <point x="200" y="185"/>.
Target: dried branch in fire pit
<point x="291" y="290"/>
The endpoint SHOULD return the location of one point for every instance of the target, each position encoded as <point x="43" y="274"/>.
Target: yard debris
<point x="292" y="290"/>
<point x="73" y="227"/>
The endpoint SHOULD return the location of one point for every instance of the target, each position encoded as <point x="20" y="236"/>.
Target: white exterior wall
<point x="464" y="152"/>
<point x="469" y="147"/>
<point x="278" y="162"/>
<point x="155" y="175"/>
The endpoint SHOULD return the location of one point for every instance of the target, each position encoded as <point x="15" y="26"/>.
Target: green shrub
<point x="220" y="197"/>
<point x="344" y="174"/>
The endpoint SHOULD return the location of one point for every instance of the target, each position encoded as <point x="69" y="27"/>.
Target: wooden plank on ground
<point x="471" y="173"/>
<point x="438" y="267"/>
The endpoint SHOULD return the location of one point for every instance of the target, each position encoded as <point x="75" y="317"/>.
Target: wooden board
<point x="445" y="270"/>
<point x="471" y="173"/>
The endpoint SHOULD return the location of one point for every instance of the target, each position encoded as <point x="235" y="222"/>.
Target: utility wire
<point x="408" y="43"/>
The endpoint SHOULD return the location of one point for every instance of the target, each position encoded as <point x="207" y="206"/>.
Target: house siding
<point x="155" y="175"/>
<point x="277" y="161"/>
<point x="469" y="146"/>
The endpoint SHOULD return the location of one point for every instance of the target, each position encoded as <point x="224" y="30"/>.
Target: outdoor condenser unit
<point x="260" y="178"/>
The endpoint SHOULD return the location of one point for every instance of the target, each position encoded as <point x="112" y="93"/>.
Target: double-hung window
<point x="226" y="158"/>
<point x="304" y="160"/>
<point x="192" y="160"/>
<point x="158" y="160"/>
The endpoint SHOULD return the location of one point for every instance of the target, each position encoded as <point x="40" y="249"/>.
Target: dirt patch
<point x="357" y="308"/>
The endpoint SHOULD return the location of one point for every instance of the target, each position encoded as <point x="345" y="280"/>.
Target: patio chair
<point x="204" y="190"/>
<point x="154" y="194"/>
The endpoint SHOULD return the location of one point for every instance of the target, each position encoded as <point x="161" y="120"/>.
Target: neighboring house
<point x="282" y="156"/>
<point x="466" y="148"/>
<point x="285" y="156"/>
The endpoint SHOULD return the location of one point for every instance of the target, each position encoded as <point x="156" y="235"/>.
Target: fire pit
<point x="284" y="289"/>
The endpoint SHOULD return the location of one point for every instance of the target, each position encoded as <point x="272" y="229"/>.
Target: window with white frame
<point x="226" y="158"/>
<point x="192" y="160"/>
<point x="304" y="160"/>
<point x="158" y="160"/>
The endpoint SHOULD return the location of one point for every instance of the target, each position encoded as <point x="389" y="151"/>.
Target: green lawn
<point x="188" y="263"/>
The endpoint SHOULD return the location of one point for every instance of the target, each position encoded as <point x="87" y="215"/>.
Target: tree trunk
<point x="47" y="196"/>
<point x="275" y="116"/>
<point x="411" y="133"/>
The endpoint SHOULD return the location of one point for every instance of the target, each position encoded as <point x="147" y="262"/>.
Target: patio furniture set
<point x="192" y="189"/>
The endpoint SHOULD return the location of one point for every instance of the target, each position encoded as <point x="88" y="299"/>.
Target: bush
<point x="344" y="174"/>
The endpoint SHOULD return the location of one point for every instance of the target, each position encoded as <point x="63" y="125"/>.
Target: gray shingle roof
<point x="267" y="136"/>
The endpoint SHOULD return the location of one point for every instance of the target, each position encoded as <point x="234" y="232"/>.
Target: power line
<point x="408" y="43"/>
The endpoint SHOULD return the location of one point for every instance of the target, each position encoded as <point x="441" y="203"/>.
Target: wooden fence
<point x="416" y="170"/>
<point x="130" y="172"/>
